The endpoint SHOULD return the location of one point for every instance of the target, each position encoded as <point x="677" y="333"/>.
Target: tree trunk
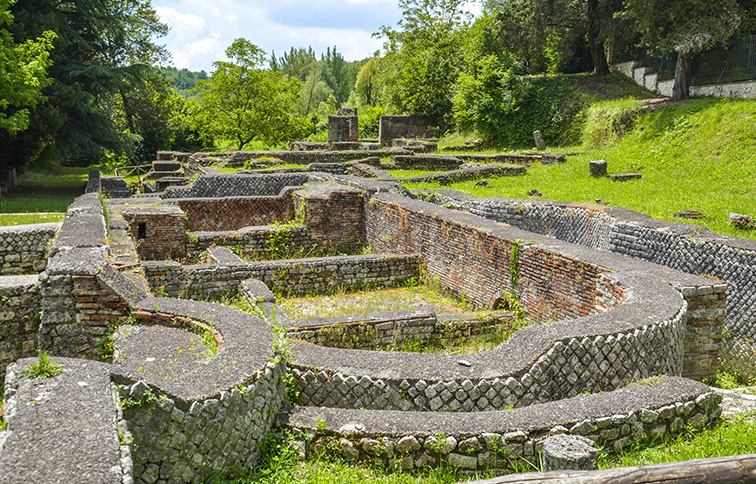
<point x="681" y="87"/>
<point x="596" y="46"/>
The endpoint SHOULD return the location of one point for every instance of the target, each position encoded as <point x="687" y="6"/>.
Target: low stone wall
<point x="472" y="173"/>
<point x="295" y="276"/>
<point x="238" y="159"/>
<point x="417" y="440"/>
<point x="392" y="329"/>
<point x="20" y="305"/>
<point x="255" y="242"/>
<point x="23" y="248"/>
<point x="682" y="247"/>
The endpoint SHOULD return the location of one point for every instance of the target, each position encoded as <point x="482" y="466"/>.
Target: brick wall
<point x="233" y="213"/>
<point x="477" y="265"/>
<point x="159" y="231"/>
<point x="333" y="214"/>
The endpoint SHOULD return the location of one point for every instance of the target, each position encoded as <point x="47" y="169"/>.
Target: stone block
<point x="569" y="452"/>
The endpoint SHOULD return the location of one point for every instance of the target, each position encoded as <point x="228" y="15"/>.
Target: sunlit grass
<point x="48" y="191"/>
<point x="733" y="437"/>
<point x="29" y="218"/>
<point x="699" y="156"/>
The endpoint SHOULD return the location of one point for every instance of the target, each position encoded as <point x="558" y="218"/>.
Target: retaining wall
<point x="23" y="248"/>
<point x="20" y="305"/>
<point x="392" y="329"/>
<point x="495" y="440"/>
<point x="682" y="247"/>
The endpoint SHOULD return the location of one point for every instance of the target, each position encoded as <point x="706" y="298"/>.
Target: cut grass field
<point x="42" y="197"/>
<point x="697" y="155"/>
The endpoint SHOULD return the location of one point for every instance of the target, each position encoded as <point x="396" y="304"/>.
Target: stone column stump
<point x="569" y="452"/>
<point x="598" y="168"/>
<point x="538" y="138"/>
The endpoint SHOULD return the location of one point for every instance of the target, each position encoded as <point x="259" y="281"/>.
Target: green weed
<point x="42" y="369"/>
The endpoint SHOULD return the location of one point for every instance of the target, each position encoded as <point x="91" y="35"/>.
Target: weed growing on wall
<point x="42" y="369"/>
<point x="148" y="400"/>
<point x="208" y="339"/>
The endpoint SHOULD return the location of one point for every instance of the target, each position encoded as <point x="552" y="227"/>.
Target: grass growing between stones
<point x="695" y="155"/>
<point x="280" y="464"/>
<point x="734" y="436"/>
<point x="411" y="173"/>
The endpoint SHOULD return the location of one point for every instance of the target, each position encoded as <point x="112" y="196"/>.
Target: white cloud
<point x="201" y="29"/>
<point x="182" y="24"/>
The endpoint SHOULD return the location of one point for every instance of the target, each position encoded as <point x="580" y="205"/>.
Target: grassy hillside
<point x="696" y="155"/>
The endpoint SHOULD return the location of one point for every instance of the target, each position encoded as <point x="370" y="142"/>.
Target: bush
<point x="505" y="108"/>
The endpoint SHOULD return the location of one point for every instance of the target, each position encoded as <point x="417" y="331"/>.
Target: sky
<point x="202" y="29"/>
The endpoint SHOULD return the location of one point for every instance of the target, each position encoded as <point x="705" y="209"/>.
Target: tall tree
<point x="242" y="102"/>
<point x="23" y="74"/>
<point x="422" y="61"/>
<point x="101" y="51"/>
<point x="686" y="28"/>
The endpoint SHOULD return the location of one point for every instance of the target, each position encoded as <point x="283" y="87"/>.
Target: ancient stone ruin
<point x="188" y="387"/>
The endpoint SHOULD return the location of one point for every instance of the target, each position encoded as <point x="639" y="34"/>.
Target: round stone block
<point x="569" y="452"/>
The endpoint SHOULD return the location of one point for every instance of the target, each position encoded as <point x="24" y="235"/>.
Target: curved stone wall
<point x="631" y="319"/>
<point x="682" y="247"/>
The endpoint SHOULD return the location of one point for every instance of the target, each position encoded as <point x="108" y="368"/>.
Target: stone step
<point x="155" y="175"/>
<point x="160" y="165"/>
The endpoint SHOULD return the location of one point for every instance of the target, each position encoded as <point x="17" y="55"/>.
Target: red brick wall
<point x="475" y="264"/>
<point x="224" y="214"/>
<point x="159" y="233"/>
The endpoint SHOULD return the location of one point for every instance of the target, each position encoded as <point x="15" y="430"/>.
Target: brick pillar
<point x="707" y="308"/>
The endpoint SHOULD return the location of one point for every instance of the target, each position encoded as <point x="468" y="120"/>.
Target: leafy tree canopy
<point x="242" y="102"/>
<point x="23" y="73"/>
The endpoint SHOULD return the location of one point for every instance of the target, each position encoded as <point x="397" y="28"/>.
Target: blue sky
<point x="202" y="29"/>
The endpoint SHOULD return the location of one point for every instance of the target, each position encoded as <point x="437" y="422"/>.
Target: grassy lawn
<point x="698" y="155"/>
<point x="732" y="437"/>
<point x="50" y="191"/>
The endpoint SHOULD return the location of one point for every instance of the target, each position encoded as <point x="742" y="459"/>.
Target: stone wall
<point x="220" y="186"/>
<point x="295" y="276"/>
<point x="393" y="127"/>
<point x="233" y="213"/>
<point x="619" y="334"/>
<point x="658" y="408"/>
<point x="343" y="128"/>
<point x="23" y="248"/>
<point x="262" y="242"/>
<point x="20" y="305"/>
<point x="687" y="248"/>
<point x="392" y="329"/>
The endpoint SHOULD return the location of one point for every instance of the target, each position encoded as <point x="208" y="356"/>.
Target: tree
<point x="241" y="102"/>
<point x="102" y="50"/>
<point x="422" y="61"/>
<point x="686" y="28"/>
<point x="365" y="85"/>
<point x="23" y="74"/>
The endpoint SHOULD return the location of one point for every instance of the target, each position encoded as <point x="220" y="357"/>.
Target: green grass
<point x="409" y="173"/>
<point x="30" y="218"/>
<point x="50" y="191"/>
<point x="732" y="437"/>
<point x="698" y="155"/>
